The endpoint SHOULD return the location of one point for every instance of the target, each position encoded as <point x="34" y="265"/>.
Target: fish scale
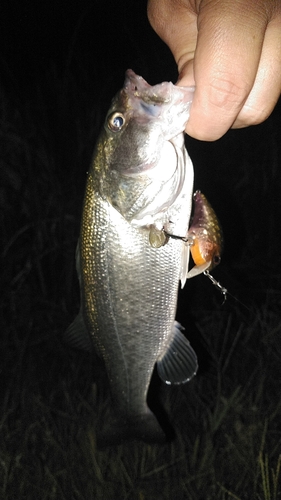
<point x="135" y="313"/>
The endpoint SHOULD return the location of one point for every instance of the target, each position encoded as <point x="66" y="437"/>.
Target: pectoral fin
<point x="184" y="263"/>
<point x="179" y="364"/>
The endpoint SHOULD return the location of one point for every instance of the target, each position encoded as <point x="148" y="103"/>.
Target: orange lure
<point x="204" y="236"/>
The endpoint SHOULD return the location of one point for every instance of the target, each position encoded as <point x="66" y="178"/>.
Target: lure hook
<point x="219" y="287"/>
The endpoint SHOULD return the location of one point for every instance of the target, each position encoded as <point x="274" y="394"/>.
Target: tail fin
<point x="142" y="427"/>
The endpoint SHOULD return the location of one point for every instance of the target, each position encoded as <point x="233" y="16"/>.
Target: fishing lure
<point x="204" y="237"/>
<point x="205" y="241"/>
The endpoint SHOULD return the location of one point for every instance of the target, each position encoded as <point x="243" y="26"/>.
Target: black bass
<point x="139" y="188"/>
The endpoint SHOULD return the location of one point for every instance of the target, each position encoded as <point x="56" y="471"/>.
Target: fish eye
<point x="116" y="121"/>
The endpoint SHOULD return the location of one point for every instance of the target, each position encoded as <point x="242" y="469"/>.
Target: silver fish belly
<point x="128" y="287"/>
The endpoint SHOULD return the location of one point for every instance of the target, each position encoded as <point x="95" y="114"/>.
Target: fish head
<point x="140" y="144"/>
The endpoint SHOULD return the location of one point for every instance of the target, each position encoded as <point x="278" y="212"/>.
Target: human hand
<point x="231" y="51"/>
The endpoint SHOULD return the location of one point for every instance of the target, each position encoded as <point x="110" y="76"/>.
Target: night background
<point x="60" y="65"/>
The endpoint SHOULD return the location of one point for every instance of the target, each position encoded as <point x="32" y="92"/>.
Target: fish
<point x="139" y="187"/>
<point x="204" y="237"/>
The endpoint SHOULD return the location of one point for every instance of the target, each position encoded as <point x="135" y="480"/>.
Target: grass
<point x="227" y="420"/>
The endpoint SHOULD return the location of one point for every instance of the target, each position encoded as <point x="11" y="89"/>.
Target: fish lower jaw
<point x="166" y="164"/>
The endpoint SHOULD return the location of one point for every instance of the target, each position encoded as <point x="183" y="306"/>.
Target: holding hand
<point x="231" y="51"/>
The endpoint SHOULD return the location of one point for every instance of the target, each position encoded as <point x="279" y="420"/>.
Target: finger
<point x="267" y="86"/>
<point x="226" y="62"/>
<point x="176" y="24"/>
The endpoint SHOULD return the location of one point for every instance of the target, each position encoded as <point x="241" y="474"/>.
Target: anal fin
<point x="179" y="364"/>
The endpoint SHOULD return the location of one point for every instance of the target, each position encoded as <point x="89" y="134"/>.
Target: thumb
<point x="176" y="24"/>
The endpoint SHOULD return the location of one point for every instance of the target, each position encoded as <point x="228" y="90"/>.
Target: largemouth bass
<point x="139" y="189"/>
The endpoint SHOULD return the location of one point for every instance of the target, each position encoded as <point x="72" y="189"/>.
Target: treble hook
<point x="221" y="288"/>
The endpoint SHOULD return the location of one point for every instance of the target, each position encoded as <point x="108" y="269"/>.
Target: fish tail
<point x="143" y="427"/>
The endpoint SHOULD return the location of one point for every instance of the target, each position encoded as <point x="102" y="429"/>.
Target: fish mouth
<point x="137" y="86"/>
<point x="165" y="92"/>
<point x="165" y="104"/>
